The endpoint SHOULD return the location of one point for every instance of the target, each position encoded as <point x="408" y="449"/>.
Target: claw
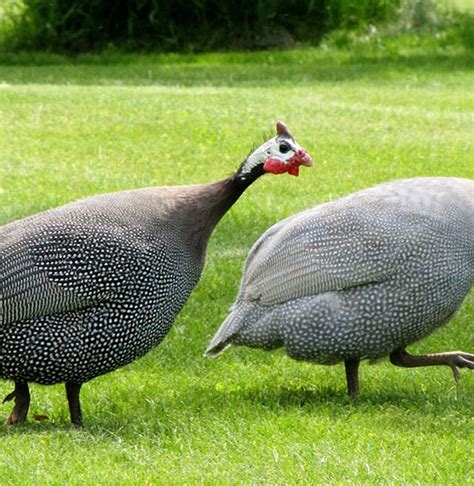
<point x="457" y="375"/>
<point x="463" y="360"/>
<point x="9" y="397"/>
<point x="453" y="359"/>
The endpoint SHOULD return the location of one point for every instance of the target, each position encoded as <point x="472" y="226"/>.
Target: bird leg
<point x="72" y="393"/>
<point x="352" y="376"/>
<point x="21" y="394"/>
<point x="453" y="359"/>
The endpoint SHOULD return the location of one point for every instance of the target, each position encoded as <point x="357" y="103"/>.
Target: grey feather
<point x="360" y="276"/>
<point x="93" y="284"/>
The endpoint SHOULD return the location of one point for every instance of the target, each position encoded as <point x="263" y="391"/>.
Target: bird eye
<point x="284" y="148"/>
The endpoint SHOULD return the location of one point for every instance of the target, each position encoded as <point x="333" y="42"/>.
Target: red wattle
<point x="275" y="166"/>
<point x="294" y="170"/>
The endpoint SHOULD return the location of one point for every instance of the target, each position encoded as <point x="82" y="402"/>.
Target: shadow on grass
<point x="164" y="417"/>
<point x="232" y="70"/>
<point x="272" y="404"/>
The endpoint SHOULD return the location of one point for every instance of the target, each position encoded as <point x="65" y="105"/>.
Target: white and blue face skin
<point x="279" y="155"/>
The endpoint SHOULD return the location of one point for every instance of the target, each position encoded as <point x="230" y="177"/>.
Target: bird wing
<point x="330" y="247"/>
<point x="65" y="260"/>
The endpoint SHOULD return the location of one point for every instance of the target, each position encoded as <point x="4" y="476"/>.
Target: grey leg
<point x="453" y="359"/>
<point x="352" y="376"/>
<point x="72" y="393"/>
<point x="21" y="394"/>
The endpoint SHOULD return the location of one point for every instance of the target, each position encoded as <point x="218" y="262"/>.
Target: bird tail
<point x="223" y="337"/>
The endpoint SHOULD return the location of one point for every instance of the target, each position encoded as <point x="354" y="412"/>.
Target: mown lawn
<point x="71" y="128"/>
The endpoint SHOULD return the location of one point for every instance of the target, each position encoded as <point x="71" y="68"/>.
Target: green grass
<point x="461" y="5"/>
<point x="71" y="128"/>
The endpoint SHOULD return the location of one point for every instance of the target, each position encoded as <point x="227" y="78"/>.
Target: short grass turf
<point x="76" y="127"/>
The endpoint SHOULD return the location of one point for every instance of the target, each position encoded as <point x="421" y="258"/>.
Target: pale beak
<point x="301" y="157"/>
<point x="304" y="158"/>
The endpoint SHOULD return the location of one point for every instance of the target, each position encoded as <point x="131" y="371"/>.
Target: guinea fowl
<point x="360" y="278"/>
<point x="92" y="285"/>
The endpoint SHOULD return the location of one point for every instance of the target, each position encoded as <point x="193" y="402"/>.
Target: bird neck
<point x="249" y="171"/>
<point x="209" y="202"/>
<point x="226" y="192"/>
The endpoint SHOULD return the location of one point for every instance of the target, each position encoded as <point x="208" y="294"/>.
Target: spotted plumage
<point x="360" y="278"/>
<point x="92" y="285"/>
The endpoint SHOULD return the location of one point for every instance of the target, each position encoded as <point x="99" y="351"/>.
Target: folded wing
<point x="330" y="247"/>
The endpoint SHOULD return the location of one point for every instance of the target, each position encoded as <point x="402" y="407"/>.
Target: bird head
<point x="279" y="155"/>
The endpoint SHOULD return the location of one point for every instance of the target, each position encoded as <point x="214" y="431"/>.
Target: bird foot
<point x="453" y="359"/>
<point x="16" y="417"/>
<point x="459" y="359"/>
<point x="21" y="394"/>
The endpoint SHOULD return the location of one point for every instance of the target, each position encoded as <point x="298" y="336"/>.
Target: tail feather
<point x="223" y="337"/>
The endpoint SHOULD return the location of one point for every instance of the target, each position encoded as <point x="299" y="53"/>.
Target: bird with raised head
<point x="90" y="286"/>
<point x="360" y="278"/>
